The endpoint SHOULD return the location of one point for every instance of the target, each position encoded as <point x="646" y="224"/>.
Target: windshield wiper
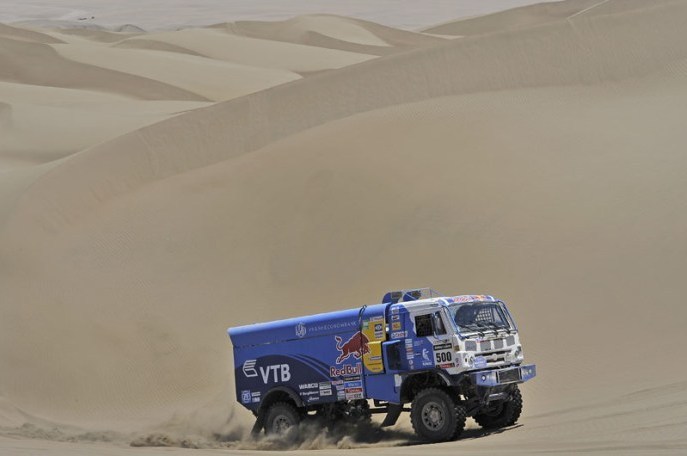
<point x="474" y="327"/>
<point x="491" y="325"/>
<point x="497" y="327"/>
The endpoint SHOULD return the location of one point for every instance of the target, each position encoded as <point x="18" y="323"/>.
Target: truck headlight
<point x="469" y="361"/>
<point x="518" y="353"/>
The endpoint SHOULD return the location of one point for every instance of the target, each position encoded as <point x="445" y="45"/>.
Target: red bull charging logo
<point x="356" y="346"/>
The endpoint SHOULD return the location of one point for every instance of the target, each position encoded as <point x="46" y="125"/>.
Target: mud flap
<point x="393" y="412"/>
<point x="259" y="424"/>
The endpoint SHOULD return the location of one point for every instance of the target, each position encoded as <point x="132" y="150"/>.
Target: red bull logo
<point x="356" y="346"/>
<point x="346" y="370"/>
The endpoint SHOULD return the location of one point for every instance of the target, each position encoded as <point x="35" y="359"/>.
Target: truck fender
<point x="277" y="394"/>
<point x="423" y="379"/>
<point x="445" y="377"/>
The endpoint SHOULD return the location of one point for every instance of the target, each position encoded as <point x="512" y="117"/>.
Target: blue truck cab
<point x="448" y="357"/>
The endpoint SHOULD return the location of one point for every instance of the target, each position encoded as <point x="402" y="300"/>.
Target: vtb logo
<point x="249" y="368"/>
<point x="274" y="373"/>
<point x="355" y="346"/>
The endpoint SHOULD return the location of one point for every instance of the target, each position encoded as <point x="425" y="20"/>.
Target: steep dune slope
<point x="334" y="32"/>
<point x="53" y="106"/>
<point x="541" y="165"/>
<point x="522" y="17"/>
<point x="587" y="53"/>
<point x="338" y="28"/>
<point x="256" y="52"/>
<point x="540" y="14"/>
<point x="221" y="80"/>
<point x="39" y="64"/>
<point x="150" y="80"/>
<point x="33" y="36"/>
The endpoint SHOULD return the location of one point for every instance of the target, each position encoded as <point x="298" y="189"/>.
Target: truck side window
<point x="439" y="327"/>
<point x="423" y="325"/>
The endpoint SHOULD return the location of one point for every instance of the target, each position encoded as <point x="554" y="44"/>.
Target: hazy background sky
<point x="155" y="14"/>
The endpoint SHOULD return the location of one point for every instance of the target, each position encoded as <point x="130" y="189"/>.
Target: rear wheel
<point x="281" y="417"/>
<point x="436" y="416"/>
<point x="502" y="415"/>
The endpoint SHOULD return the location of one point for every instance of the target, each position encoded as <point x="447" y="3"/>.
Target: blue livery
<point x="441" y="354"/>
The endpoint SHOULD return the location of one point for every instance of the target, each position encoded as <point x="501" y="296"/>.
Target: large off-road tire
<point x="461" y="416"/>
<point x="280" y="417"/>
<point x="506" y="414"/>
<point x="436" y="416"/>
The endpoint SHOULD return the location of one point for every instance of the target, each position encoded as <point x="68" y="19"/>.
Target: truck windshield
<point x="480" y="316"/>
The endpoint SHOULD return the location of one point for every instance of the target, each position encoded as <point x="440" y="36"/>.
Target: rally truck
<point x="441" y="358"/>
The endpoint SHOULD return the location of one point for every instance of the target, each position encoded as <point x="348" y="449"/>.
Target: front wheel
<point x="502" y="415"/>
<point x="281" y="417"/>
<point x="436" y="417"/>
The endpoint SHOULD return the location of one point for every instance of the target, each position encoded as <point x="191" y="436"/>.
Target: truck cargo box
<point x="320" y="358"/>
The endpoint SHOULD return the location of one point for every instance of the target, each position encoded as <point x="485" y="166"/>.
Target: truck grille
<point x="493" y="351"/>
<point x="509" y="376"/>
<point x="494" y="358"/>
<point x="488" y="345"/>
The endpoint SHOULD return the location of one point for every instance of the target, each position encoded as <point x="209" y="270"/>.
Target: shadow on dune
<point x="472" y="434"/>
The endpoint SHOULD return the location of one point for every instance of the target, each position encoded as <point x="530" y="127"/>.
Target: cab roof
<point x="470" y="298"/>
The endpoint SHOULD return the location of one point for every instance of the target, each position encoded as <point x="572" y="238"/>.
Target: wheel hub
<point x="433" y="415"/>
<point x="282" y="424"/>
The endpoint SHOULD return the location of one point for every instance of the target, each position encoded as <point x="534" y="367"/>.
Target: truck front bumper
<point x="505" y="376"/>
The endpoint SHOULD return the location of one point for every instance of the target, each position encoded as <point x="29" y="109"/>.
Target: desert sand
<point x="158" y="187"/>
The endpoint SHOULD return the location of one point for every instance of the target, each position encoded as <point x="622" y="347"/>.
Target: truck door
<point x="432" y="345"/>
<point x="373" y="332"/>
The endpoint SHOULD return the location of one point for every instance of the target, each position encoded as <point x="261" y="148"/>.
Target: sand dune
<point x="539" y="14"/>
<point x="339" y="28"/>
<point x="69" y="120"/>
<point x="221" y="80"/>
<point x="500" y="62"/>
<point x="79" y="126"/>
<point x="104" y="36"/>
<point x="16" y="33"/>
<point x="542" y="164"/>
<point x="334" y="32"/>
<point x="256" y="52"/>
<point x="144" y="43"/>
<point x="522" y="17"/>
<point x="39" y="64"/>
<point x="88" y="66"/>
